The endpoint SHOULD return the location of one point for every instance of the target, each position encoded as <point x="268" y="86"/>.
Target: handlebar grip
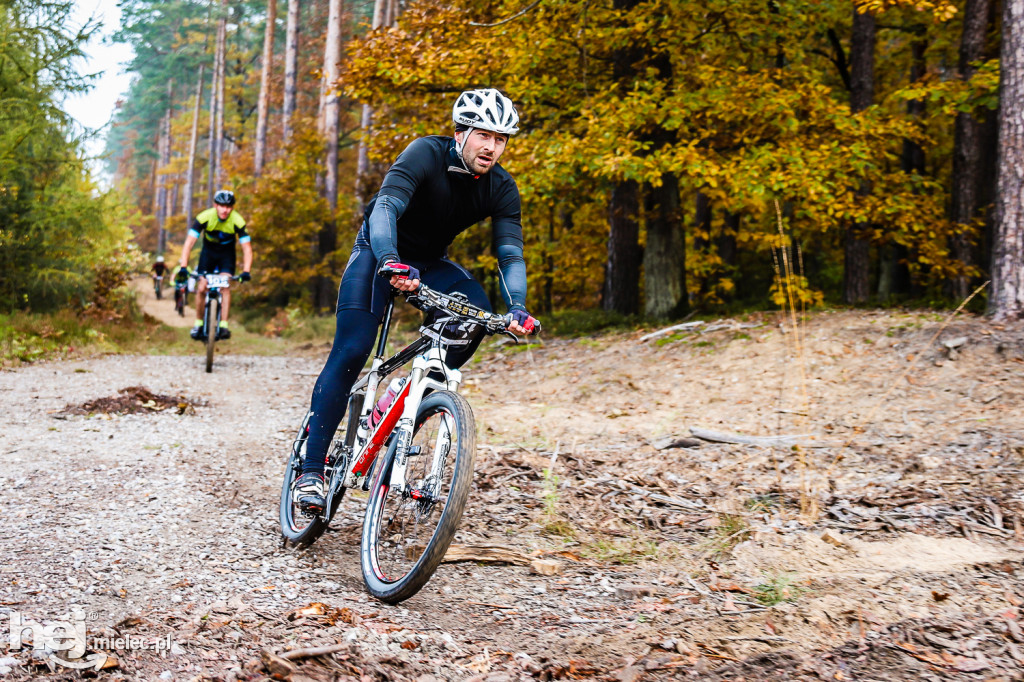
<point x="507" y="320"/>
<point x="393" y="269"/>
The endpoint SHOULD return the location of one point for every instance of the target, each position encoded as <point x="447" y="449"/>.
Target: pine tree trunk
<point x="967" y="145"/>
<point x="222" y="34"/>
<point x="1007" y="298"/>
<point x="190" y="174"/>
<point x="622" y="271"/>
<point x="264" y="101"/>
<point x="291" y="68"/>
<point x="328" y="122"/>
<point x="216" y="104"/>
<point x="725" y="245"/>
<point x="164" y="146"/>
<point x="893" y="273"/>
<point x="857" y="262"/>
<point x="365" y="124"/>
<point x="621" y="291"/>
<point x="665" y="251"/>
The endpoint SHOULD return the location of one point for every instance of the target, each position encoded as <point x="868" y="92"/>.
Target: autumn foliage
<point x="703" y="116"/>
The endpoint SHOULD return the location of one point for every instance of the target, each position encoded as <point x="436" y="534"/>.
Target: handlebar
<point x="426" y="298"/>
<point x="197" y="275"/>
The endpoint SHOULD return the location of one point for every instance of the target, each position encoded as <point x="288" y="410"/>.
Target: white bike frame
<point x="398" y="421"/>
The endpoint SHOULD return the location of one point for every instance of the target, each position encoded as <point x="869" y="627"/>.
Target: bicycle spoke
<point x="411" y="516"/>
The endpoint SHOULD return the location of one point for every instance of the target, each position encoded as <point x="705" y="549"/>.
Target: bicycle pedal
<point x="311" y="510"/>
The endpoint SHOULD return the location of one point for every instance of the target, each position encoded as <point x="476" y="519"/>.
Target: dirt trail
<point x="888" y="548"/>
<point x="162" y="309"/>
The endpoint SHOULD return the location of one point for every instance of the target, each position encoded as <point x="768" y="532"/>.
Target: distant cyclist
<point x="159" y="267"/>
<point x="438" y="187"/>
<point x="220" y="228"/>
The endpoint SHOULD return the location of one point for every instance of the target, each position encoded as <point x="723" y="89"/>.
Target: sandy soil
<point x="163" y="309"/>
<point x="887" y="545"/>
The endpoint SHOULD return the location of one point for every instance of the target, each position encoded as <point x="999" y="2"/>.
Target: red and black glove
<point x="400" y="270"/>
<point x="523" y="319"/>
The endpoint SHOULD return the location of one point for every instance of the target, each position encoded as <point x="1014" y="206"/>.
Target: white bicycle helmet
<point x="486" y="109"/>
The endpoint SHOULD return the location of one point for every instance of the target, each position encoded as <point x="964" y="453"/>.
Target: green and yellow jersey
<point x="219" y="234"/>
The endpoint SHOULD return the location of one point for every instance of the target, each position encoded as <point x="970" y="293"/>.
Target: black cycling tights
<point x="362" y="298"/>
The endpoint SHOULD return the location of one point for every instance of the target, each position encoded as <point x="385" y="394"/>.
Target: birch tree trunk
<point x="264" y="101"/>
<point x="291" y="67"/>
<point x="857" y="249"/>
<point x="190" y="173"/>
<point x="967" y="143"/>
<point x="1007" y="299"/>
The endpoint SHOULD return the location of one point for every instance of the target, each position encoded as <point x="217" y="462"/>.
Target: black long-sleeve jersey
<point x="428" y="197"/>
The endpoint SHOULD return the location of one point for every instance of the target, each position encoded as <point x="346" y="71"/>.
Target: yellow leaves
<point x="941" y="10"/>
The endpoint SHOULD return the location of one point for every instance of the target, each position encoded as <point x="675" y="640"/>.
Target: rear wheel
<point x="296" y="527"/>
<point x="210" y="324"/>
<point x="407" y="532"/>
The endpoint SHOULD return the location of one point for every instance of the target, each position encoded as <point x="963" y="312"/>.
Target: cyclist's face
<point x="223" y="211"/>
<point x="482" y="149"/>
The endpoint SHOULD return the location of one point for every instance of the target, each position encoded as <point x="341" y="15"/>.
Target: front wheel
<point x="406" y="532"/>
<point x="210" y="324"/>
<point x="179" y="302"/>
<point x="156" y="287"/>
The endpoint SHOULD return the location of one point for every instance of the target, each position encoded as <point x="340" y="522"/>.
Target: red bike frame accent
<point x="383" y="430"/>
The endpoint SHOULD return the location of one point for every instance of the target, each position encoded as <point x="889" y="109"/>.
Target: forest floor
<point x="885" y="545"/>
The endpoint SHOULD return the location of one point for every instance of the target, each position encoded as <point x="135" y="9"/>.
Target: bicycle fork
<point x="420" y="380"/>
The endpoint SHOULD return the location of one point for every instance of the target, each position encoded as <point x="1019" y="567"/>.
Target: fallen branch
<point x="487" y="553"/>
<point x="803" y="440"/>
<point x="669" y="330"/>
<point x="315" y="651"/>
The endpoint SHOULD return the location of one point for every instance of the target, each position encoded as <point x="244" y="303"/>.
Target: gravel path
<point x="123" y="514"/>
<point x="163" y="526"/>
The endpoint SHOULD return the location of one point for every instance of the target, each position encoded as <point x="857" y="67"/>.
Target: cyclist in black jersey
<point x="437" y="188"/>
<point x="220" y="228"/>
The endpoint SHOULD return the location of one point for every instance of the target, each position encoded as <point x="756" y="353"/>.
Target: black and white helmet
<point x="224" y="197"/>
<point x="486" y="109"/>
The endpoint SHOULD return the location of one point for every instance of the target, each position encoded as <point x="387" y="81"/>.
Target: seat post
<point x="385" y="326"/>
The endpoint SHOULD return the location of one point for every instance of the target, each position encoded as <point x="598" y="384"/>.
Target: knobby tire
<point x="395" y="565"/>
<point x="211" y="323"/>
<point x="297" y="528"/>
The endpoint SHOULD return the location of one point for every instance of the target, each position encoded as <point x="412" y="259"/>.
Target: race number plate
<point x="219" y="281"/>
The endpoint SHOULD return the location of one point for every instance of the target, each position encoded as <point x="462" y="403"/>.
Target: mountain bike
<point x="180" y="297"/>
<point x="215" y="281"/>
<point x="414" y="456"/>
<point x="158" y="283"/>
